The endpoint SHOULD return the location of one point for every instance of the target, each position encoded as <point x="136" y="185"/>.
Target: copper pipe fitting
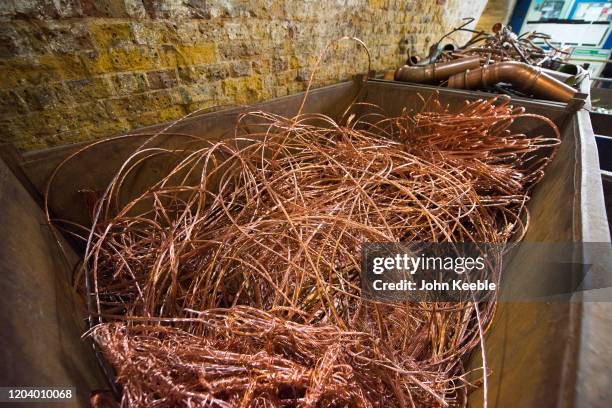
<point x="523" y="77"/>
<point x="432" y="73"/>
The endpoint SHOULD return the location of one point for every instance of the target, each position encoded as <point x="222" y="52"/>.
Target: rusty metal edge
<point x="594" y="228"/>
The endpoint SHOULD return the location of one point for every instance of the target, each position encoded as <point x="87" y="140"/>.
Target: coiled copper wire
<point x="234" y="281"/>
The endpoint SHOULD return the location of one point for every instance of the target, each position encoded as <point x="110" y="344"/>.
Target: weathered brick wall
<point x="72" y="70"/>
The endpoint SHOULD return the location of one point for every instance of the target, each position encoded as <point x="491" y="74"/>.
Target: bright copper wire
<point x="507" y="46"/>
<point x="234" y="280"/>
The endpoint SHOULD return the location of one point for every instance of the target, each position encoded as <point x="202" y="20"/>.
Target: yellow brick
<point x="243" y="90"/>
<point x="168" y="56"/>
<point x="65" y="66"/>
<point x="85" y="90"/>
<point x="200" y="54"/>
<point x="96" y="62"/>
<point x="134" y="58"/>
<point x="376" y="3"/>
<point x="163" y="31"/>
<point x="31" y="71"/>
<point x="16" y="72"/>
<point x="158" y="100"/>
<point x="294" y="62"/>
<point x="172" y="113"/>
<point x="31" y="144"/>
<point x="144" y="119"/>
<point x="128" y="106"/>
<point x="70" y="136"/>
<point x="110" y="35"/>
<point x="104" y="129"/>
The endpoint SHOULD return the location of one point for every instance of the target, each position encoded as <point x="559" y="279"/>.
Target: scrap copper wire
<point x="234" y="280"/>
<point x="504" y="45"/>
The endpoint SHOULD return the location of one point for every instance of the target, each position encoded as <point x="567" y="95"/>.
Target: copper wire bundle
<point x="500" y="45"/>
<point x="504" y="45"/>
<point x="246" y="357"/>
<point x="235" y="279"/>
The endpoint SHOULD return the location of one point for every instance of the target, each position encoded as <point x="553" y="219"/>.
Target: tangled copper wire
<point x="234" y="280"/>
<point x="504" y="45"/>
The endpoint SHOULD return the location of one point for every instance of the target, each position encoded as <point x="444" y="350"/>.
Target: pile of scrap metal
<point x="501" y="61"/>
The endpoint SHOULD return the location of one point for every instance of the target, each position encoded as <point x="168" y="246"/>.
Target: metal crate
<point x="541" y="354"/>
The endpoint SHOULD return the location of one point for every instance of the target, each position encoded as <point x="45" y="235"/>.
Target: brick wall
<point x="73" y="70"/>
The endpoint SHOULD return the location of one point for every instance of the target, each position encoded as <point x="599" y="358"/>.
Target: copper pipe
<point x="523" y="77"/>
<point x="437" y="72"/>
<point x="412" y="60"/>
